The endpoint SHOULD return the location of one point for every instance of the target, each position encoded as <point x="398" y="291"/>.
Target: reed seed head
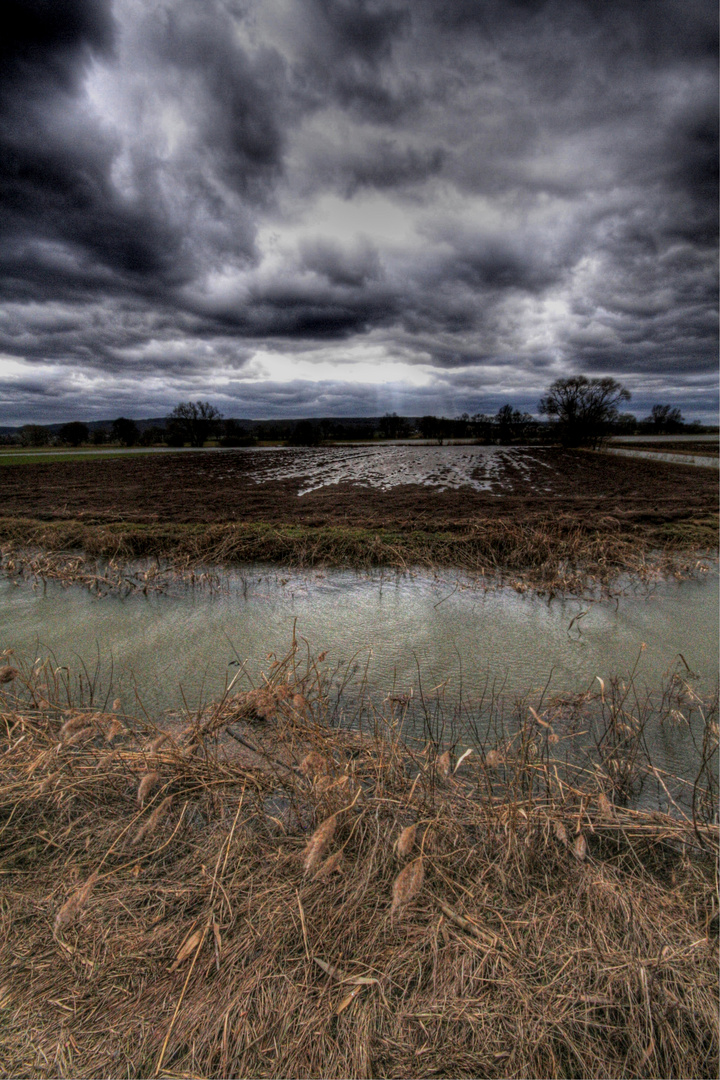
<point x="318" y="843"/>
<point x="443" y="764"/>
<point x="146" y="785"/>
<point x="331" y="865"/>
<point x="158" y="742"/>
<point x="80" y="736"/>
<point x="148" y="827"/>
<point x="605" y="805"/>
<point x="49" y="781"/>
<point x="407" y="884"/>
<point x="406" y="841"/>
<point x="312" y="764"/>
<point x="76" y="721"/>
<point x="580" y="847"/>
<point x="72" y="907"/>
<point x="115" y="729"/>
<point x="493" y="759"/>
<point x="560" y="832"/>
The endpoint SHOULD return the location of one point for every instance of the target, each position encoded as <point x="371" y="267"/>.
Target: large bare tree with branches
<point x="583" y="408"/>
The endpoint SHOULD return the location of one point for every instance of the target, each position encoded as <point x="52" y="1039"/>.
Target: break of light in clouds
<point x="345" y="207"/>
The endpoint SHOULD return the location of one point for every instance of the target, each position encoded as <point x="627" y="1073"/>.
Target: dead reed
<point x="550" y="554"/>
<point x="548" y="925"/>
<point x="406" y="841"/>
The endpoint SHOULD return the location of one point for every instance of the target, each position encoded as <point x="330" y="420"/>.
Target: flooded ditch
<point x="407" y="640"/>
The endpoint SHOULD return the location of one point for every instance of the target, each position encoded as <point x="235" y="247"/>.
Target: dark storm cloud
<point x="55" y="163"/>
<point x="493" y="193"/>
<point x="244" y="106"/>
<point x="347" y="56"/>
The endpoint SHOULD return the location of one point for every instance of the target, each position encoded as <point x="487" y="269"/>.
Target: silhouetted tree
<point x="583" y="408"/>
<point x="432" y="427"/>
<point x="98" y="437"/>
<point x="511" y="423"/>
<point x="392" y="426"/>
<point x="74" y="433"/>
<point x="194" y="420"/>
<point x="35" y="435"/>
<point x="152" y="436"/>
<point x="305" y="433"/>
<point x="665" y="419"/>
<point x="125" y="431"/>
<point x="234" y="435"/>
<point x="626" y="424"/>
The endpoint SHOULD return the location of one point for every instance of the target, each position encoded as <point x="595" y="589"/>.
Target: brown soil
<point x="216" y="486"/>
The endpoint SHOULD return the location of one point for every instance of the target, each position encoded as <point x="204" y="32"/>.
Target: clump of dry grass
<point x="549" y="553"/>
<point x="241" y="931"/>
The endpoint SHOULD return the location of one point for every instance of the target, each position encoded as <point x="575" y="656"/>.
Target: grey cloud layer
<point x="497" y="192"/>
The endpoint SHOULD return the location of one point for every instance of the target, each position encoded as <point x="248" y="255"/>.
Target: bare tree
<point x="665" y="418"/>
<point x="583" y="408"/>
<point x="194" y="421"/>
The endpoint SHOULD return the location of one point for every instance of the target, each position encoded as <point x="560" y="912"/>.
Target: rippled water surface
<point x="403" y="631"/>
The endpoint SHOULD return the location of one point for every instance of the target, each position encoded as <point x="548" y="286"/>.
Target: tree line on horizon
<point x="578" y="411"/>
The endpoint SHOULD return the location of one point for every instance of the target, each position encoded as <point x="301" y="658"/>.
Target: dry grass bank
<point x="328" y="902"/>
<point x="556" y="554"/>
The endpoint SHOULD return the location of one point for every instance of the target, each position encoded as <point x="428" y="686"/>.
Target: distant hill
<point x="242" y="422"/>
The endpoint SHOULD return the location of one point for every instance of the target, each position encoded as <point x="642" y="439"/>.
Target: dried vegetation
<point x="328" y="901"/>
<point x="554" y="555"/>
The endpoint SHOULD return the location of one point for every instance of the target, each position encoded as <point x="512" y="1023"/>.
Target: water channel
<point x="402" y="630"/>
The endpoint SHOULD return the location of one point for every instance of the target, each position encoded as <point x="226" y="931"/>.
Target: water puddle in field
<point x="400" y="634"/>
<point x="482" y="468"/>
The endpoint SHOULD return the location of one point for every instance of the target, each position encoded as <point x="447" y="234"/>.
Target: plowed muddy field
<point x="423" y="487"/>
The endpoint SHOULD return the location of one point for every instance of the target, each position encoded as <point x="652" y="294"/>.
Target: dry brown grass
<point x="557" y="553"/>
<point x="546" y="926"/>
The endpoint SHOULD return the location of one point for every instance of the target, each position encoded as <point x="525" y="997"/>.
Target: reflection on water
<point x="482" y="468"/>
<point x="401" y="632"/>
<point x="676" y="459"/>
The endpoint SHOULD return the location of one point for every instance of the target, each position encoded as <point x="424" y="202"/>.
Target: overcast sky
<point x="348" y="207"/>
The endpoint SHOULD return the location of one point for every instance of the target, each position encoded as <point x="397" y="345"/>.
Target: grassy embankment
<point x="557" y="553"/>
<point x="335" y="903"/>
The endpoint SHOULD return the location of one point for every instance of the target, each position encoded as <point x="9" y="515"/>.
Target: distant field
<point x="543" y="515"/>
<point x="697" y="448"/>
<point x="426" y="487"/>
<point x="15" y="456"/>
